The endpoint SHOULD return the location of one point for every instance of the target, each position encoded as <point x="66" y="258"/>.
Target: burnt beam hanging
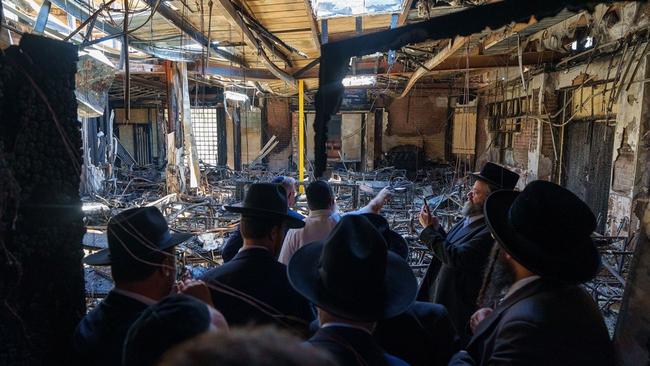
<point x="335" y="56"/>
<point x="186" y="27"/>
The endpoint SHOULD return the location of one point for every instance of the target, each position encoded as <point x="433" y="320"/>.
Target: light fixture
<point x="239" y="97"/>
<point x="363" y="80"/>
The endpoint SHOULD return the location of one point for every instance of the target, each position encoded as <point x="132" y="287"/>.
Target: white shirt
<point x="318" y="226"/>
<point x="137" y="297"/>
<point x="519" y="284"/>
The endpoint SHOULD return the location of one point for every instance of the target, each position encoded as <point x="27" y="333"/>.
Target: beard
<point x="471" y="209"/>
<point x="498" y="280"/>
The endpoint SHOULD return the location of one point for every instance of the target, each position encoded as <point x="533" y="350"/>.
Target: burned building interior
<point x="182" y="105"/>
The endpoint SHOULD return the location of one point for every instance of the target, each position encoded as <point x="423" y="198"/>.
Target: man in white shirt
<point x="322" y="218"/>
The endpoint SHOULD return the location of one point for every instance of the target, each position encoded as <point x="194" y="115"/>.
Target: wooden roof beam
<point x="440" y="57"/>
<point x="236" y="20"/>
<point x="315" y="36"/>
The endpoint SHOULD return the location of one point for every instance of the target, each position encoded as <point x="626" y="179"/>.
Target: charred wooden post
<point x="43" y="288"/>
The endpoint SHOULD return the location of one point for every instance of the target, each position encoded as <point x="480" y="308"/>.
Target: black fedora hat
<point x="137" y="232"/>
<point x="497" y="176"/>
<point x="352" y="274"/>
<point x="396" y="243"/>
<point x="266" y="200"/>
<point x="547" y="229"/>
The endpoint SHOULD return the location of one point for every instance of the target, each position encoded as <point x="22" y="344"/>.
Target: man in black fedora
<point x="354" y="281"/>
<point x="235" y="240"/>
<point x="455" y="275"/>
<point x="423" y="334"/>
<point x="253" y="286"/>
<point x="143" y="265"/>
<point x="543" y="252"/>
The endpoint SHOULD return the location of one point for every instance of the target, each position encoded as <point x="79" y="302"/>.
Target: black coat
<point x="463" y="254"/>
<point x="99" y="337"/>
<point x="258" y="275"/>
<point x="353" y="347"/>
<point x="422" y="336"/>
<point x="543" y="323"/>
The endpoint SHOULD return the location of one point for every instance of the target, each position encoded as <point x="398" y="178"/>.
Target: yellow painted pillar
<point x="301" y="134"/>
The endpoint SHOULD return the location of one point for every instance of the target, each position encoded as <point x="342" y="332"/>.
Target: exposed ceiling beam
<point x="450" y="64"/>
<point x="405" y="13"/>
<point x="263" y="35"/>
<point x="298" y="74"/>
<point x="239" y="73"/>
<point x="315" y="37"/>
<point x="430" y="64"/>
<point x="498" y="36"/>
<point x="186" y="27"/>
<point x="236" y="20"/>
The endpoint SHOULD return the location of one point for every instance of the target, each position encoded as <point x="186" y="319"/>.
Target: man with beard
<point x="462" y="254"/>
<point x="543" y="252"/>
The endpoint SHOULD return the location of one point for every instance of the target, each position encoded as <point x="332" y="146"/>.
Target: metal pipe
<point x="301" y="134"/>
<point x="127" y="72"/>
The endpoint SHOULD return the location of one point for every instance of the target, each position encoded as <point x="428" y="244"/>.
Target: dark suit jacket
<point x="258" y="275"/>
<point x="235" y="240"/>
<point x="463" y="254"/>
<point x="99" y="337"/>
<point x="422" y="335"/>
<point x="543" y="323"/>
<point x="352" y="347"/>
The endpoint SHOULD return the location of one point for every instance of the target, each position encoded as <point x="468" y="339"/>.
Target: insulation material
<point x="464" y="131"/>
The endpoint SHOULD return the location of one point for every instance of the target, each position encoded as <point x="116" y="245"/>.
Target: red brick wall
<point x="417" y="115"/>
<point x="420" y="121"/>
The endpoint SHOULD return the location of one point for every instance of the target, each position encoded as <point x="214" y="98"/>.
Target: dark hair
<point x="319" y="195"/>
<point x="246" y="346"/>
<point x="132" y="269"/>
<point x="257" y="227"/>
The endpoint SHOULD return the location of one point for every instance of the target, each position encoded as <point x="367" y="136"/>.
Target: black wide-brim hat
<point x="267" y="200"/>
<point x="137" y="232"/>
<point x="497" y="176"/>
<point x="547" y="229"/>
<point x="352" y="274"/>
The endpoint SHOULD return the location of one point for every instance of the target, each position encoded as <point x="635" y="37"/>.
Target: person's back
<point x="353" y="347"/>
<point x="100" y="335"/>
<point x="256" y="273"/>
<point x="253" y="287"/>
<point x="422" y="335"/>
<point x="318" y="224"/>
<point x="549" y="324"/>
